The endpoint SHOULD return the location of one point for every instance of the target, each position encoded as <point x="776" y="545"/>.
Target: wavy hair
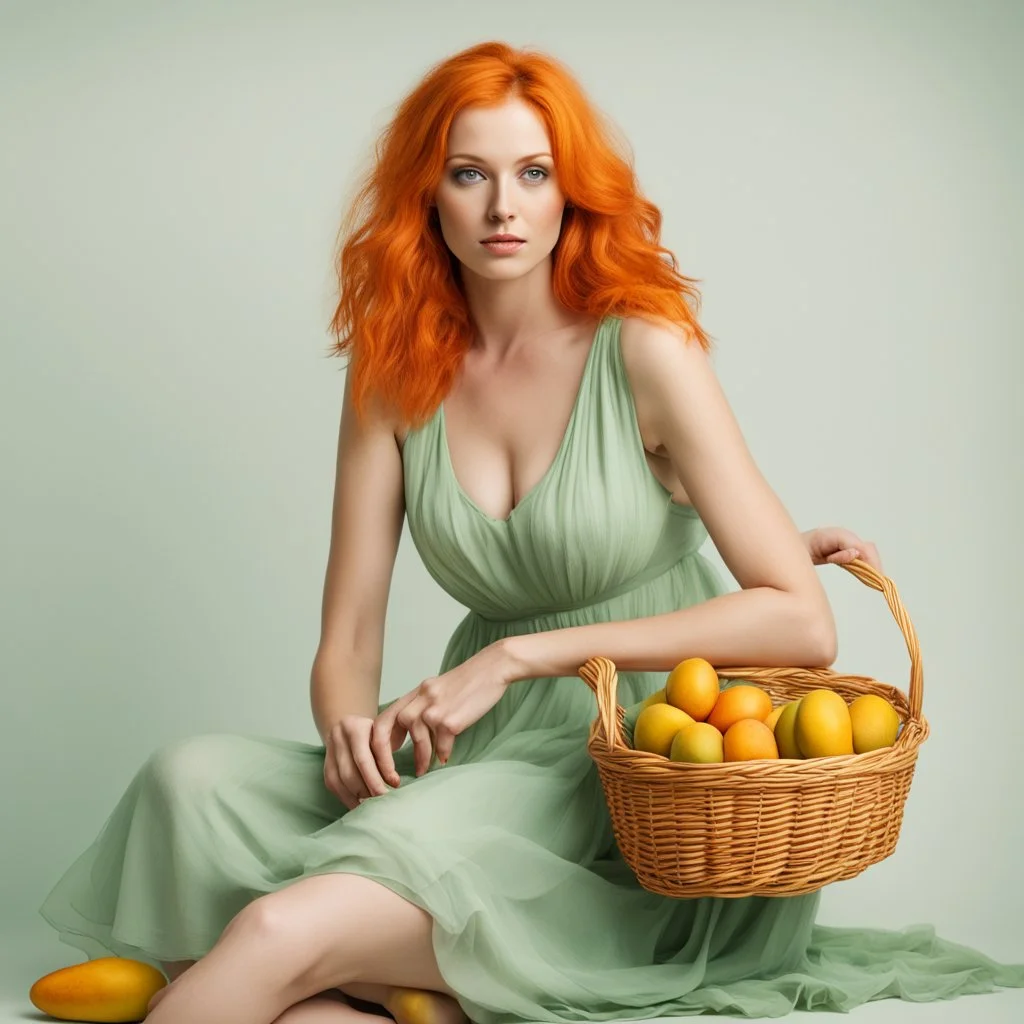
<point x="402" y="317"/>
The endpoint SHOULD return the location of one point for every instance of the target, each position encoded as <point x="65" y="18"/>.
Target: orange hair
<point x="402" y="316"/>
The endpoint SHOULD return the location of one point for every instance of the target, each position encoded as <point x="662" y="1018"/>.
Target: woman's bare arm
<point x="366" y="527"/>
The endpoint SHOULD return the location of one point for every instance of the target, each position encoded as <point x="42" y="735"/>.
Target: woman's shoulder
<point x="653" y="348"/>
<point x="380" y="417"/>
<point x="650" y="331"/>
<point x="662" y="364"/>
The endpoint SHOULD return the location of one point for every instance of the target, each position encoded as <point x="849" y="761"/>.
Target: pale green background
<point x="843" y="178"/>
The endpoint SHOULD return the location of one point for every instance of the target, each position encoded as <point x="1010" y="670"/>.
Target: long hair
<point x="402" y="316"/>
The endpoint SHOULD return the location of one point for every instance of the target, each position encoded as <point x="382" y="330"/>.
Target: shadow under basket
<point x="765" y="827"/>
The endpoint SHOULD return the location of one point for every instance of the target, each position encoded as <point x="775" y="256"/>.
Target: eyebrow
<point x="481" y="160"/>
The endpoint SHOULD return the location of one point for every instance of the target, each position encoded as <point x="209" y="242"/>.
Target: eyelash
<point x="456" y="178"/>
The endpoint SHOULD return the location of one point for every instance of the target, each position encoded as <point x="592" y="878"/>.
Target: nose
<point x="500" y="205"/>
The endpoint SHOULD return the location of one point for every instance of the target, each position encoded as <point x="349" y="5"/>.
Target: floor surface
<point x="23" y="958"/>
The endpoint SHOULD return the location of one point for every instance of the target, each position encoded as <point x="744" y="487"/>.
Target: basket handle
<point x="877" y="581"/>
<point x="600" y="675"/>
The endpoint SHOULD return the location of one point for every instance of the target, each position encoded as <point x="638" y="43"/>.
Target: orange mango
<point x="737" y="702"/>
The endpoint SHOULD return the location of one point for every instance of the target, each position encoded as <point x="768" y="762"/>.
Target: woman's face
<point x="499" y="178"/>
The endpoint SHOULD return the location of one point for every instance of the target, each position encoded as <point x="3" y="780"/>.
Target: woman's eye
<point x="472" y="170"/>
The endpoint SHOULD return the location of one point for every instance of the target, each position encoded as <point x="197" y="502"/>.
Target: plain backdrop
<point x="844" y="181"/>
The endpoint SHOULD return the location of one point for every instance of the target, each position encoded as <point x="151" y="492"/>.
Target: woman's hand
<point x="838" y="545"/>
<point x="350" y="769"/>
<point x="439" y="709"/>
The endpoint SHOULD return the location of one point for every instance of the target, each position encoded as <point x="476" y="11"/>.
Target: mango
<point x="657" y="726"/>
<point x="698" y="743"/>
<point x="693" y="686"/>
<point x="785" y="737"/>
<point x="740" y="701"/>
<point x="875" y="723"/>
<point x="823" y="727"/>
<point x="109" y="988"/>
<point x="750" y="739"/>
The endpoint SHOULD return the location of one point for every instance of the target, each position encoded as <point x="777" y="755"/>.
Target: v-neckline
<point x="559" y="454"/>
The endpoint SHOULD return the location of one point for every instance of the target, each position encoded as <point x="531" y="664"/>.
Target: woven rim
<point x="600" y="675"/>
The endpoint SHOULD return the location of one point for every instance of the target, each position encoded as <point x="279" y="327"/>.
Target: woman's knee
<point x="195" y="765"/>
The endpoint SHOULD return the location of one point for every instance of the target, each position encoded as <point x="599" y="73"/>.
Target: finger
<point x="829" y="541"/>
<point x="351" y="777"/>
<point x="423" y="746"/>
<point x="844" y="537"/>
<point x="346" y="797"/>
<point x="383" y="734"/>
<point x="444" y="740"/>
<point x="366" y="764"/>
<point x="871" y="556"/>
<point x="335" y="786"/>
<point x="409" y="718"/>
<point x="442" y="728"/>
<point x="866" y="553"/>
<point x="841" y="557"/>
<point x="383" y="753"/>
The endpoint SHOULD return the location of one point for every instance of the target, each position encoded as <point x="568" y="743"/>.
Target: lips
<point x="503" y="238"/>
<point x="503" y="248"/>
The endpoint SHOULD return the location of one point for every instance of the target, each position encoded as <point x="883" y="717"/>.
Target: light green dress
<point x="509" y="846"/>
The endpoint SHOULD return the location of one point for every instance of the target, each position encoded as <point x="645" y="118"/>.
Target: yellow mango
<point x="823" y="727"/>
<point x="785" y="737"/>
<point x="109" y="988"/>
<point x="875" y="723"/>
<point x="698" y="743"/>
<point x="693" y="686"/>
<point x="657" y="726"/>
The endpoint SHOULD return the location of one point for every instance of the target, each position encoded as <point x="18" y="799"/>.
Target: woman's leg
<point x="174" y="969"/>
<point x="327" y="1008"/>
<point x="320" y="933"/>
<point x="405" y="1005"/>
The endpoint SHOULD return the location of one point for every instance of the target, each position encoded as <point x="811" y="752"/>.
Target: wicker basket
<point x="764" y="827"/>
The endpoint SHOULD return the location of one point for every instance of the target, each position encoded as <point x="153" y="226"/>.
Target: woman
<point x="545" y="413"/>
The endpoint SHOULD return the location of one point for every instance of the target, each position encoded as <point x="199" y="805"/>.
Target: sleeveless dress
<point x="509" y="846"/>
